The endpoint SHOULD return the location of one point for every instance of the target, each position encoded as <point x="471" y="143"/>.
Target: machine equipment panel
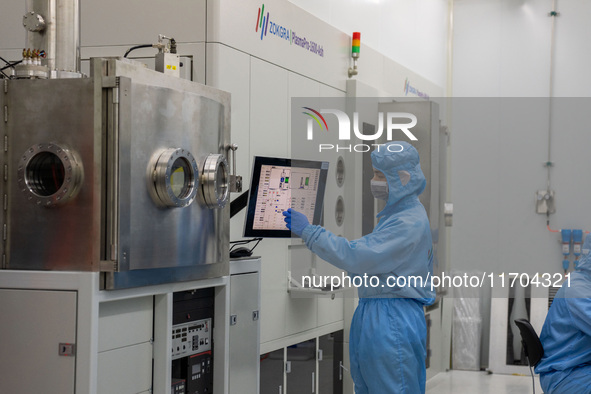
<point x="192" y="346"/>
<point x="191" y="338"/>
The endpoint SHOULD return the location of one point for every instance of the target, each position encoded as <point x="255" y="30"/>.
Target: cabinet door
<point x="272" y="371"/>
<point x="33" y="325"/>
<point x="244" y="333"/>
<point x="301" y="368"/>
<point x="330" y="360"/>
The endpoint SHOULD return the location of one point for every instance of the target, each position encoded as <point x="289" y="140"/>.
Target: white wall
<point x="412" y="33"/>
<point x="385" y="70"/>
<point x="502" y="50"/>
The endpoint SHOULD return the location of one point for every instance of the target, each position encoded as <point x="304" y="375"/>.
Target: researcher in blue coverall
<point x="566" y="335"/>
<point x="388" y="331"/>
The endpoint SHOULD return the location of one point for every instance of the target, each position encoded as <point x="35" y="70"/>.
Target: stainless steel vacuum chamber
<point x="124" y="172"/>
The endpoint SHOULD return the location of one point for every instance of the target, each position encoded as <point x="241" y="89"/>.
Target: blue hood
<point x="585" y="260"/>
<point x="391" y="158"/>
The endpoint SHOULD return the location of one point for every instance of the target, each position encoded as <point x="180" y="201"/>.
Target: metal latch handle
<point x="235" y="180"/>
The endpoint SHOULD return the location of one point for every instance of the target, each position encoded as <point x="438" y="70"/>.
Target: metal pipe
<point x="553" y="14"/>
<point x="450" y="53"/>
<point x="61" y="36"/>
<point x="67" y="51"/>
<point x="43" y="39"/>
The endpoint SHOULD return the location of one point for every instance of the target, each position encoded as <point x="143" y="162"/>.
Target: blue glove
<point x="295" y="221"/>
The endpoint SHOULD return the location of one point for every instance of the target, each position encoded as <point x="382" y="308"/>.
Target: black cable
<point x="8" y="63"/>
<point x="255" y="245"/>
<point x="7" y="66"/>
<point x="238" y="204"/>
<point x="137" y="47"/>
<point x="245" y="242"/>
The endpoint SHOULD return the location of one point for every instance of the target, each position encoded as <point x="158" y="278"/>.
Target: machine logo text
<point x="264" y="25"/>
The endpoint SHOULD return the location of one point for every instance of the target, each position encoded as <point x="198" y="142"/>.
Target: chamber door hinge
<point x="112" y="83"/>
<point x="109" y="266"/>
<point x="6" y="114"/>
<point x="114" y="252"/>
<point x="109" y="82"/>
<point x="5" y="143"/>
<point x="116" y="93"/>
<point x="6" y="86"/>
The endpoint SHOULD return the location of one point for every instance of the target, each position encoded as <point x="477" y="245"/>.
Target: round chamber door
<point x="174" y="179"/>
<point x="215" y="181"/>
<point x="50" y="174"/>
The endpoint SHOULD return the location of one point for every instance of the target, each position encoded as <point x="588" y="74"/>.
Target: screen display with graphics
<point x="279" y="184"/>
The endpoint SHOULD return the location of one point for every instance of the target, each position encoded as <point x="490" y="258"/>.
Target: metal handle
<point x="448" y="213"/>
<point x="113" y="175"/>
<point x="235" y="180"/>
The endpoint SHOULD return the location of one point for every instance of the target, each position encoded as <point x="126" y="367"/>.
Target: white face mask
<point x="379" y="189"/>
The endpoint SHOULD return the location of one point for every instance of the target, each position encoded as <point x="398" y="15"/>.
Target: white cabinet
<point x="38" y="333"/>
<point x="125" y="345"/>
<point x="244" y="327"/>
<point x="116" y="342"/>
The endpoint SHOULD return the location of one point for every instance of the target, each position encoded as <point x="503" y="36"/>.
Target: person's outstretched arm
<point x="379" y="252"/>
<point x="376" y="253"/>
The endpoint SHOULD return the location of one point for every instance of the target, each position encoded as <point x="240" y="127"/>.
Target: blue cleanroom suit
<point x="388" y="331"/>
<point x="566" y="335"/>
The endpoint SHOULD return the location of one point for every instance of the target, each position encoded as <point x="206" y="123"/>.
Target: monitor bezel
<point x="258" y="162"/>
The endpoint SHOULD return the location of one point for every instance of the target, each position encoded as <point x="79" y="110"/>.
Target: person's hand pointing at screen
<point x="295" y="221"/>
